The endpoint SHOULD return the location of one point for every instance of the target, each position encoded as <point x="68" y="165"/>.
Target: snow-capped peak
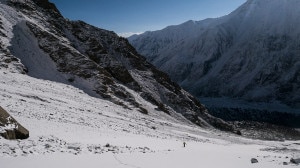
<point x="250" y="54"/>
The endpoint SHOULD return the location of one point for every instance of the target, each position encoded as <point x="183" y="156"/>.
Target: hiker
<point x="184" y="144"/>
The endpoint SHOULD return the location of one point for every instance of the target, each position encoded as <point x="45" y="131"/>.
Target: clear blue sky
<point x="135" y="16"/>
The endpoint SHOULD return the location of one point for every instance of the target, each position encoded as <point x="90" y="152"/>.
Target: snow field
<point x="68" y="128"/>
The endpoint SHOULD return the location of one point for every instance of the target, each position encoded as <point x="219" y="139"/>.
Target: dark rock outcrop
<point x="253" y="160"/>
<point x="10" y="128"/>
<point x="295" y="161"/>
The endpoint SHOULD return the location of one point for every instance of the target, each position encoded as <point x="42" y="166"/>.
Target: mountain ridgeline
<point x="37" y="40"/>
<point x="248" y="60"/>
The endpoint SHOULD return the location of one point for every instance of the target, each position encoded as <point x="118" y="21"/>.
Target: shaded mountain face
<point x="252" y="54"/>
<point x="36" y="40"/>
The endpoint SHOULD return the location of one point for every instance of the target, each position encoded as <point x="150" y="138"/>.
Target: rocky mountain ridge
<point x="37" y="40"/>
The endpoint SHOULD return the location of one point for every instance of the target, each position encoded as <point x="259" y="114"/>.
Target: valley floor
<point x="68" y="128"/>
<point x="195" y="155"/>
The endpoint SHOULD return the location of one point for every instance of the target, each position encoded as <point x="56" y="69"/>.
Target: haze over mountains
<point x="251" y="55"/>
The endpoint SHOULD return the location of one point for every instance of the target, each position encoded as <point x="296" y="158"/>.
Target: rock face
<point x="43" y="44"/>
<point x="10" y="128"/>
<point x="252" y="54"/>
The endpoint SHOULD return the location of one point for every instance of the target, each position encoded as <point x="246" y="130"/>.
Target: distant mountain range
<point x="248" y="60"/>
<point x="38" y="41"/>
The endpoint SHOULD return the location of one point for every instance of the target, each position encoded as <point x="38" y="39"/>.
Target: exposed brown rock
<point x="10" y="128"/>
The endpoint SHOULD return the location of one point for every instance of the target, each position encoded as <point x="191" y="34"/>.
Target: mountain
<point x="247" y="60"/>
<point x="89" y="100"/>
<point x="38" y="41"/>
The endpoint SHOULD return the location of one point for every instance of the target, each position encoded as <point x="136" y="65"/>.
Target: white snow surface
<point x="69" y="128"/>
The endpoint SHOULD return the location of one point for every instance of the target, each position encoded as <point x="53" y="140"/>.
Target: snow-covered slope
<point x="36" y="40"/>
<point x="89" y="100"/>
<point x="251" y="54"/>
<point x="69" y="128"/>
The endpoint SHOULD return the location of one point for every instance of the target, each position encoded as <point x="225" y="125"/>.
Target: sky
<point x="127" y="17"/>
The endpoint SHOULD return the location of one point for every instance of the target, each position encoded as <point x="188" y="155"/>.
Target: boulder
<point x="295" y="161"/>
<point x="253" y="160"/>
<point x="10" y="128"/>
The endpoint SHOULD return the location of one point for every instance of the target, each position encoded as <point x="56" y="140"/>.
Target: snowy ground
<point x="68" y="128"/>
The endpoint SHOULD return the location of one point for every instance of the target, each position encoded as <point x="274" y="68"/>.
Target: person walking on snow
<point x="184" y="144"/>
